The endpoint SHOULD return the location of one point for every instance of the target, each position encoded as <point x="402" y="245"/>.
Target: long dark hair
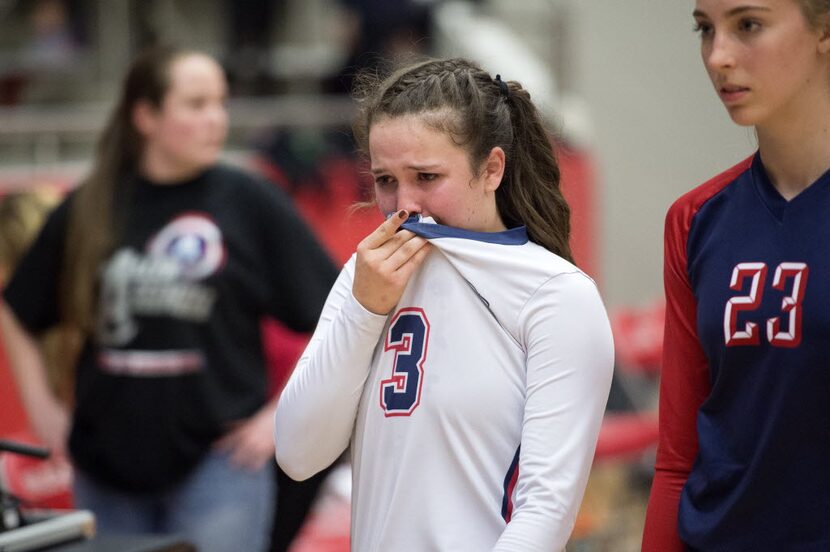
<point x="479" y="112"/>
<point x="93" y="227"/>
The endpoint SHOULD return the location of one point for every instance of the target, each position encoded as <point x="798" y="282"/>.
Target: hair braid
<point x="458" y="97"/>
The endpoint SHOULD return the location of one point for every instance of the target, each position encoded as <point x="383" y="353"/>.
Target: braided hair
<point x="479" y="113"/>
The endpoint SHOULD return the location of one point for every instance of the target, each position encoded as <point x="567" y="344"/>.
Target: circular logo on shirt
<point x="194" y="242"/>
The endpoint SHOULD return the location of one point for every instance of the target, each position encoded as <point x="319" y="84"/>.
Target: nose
<point x="719" y="52"/>
<point x="217" y="121"/>
<point x="215" y="112"/>
<point x="409" y="198"/>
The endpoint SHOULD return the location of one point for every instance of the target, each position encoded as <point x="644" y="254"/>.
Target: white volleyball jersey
<point x="472" y="409"/>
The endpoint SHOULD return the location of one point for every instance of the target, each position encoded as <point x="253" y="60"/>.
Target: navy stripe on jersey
<point x="509" y="485"/>
<point x="513" y="236"/>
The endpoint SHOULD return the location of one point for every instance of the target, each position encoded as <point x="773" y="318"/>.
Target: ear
<point x="144" y="117"/>
<point x="494" y="167"/>
<point x="824" y="35"/>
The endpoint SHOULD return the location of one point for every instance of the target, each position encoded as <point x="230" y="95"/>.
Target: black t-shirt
<point x="177" y="353"/>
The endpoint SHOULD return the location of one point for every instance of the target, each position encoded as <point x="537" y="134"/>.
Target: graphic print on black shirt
<point x="166" y="280"/>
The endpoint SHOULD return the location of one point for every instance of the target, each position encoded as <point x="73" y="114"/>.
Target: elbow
<point x="293" y="465"/>
<point x="291" y="456"/>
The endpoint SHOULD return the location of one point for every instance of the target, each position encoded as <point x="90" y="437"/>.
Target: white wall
<point x="658" y="127"/>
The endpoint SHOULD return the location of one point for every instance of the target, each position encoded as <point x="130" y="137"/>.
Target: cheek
<point x="386" y="201"/>
<point x="180" y="146"/>
<point x="174" y="136"/>
<point x="183" y="128"/>
<point x="182" y="140"/>
<point x="450" y="207"/>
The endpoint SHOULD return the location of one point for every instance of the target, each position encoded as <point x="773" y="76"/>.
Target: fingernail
<point x="402" y="213"/>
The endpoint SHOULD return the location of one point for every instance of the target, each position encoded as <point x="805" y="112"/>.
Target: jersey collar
<point x="426" y="227"/>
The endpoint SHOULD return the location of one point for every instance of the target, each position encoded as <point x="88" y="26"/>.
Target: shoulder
<point x="551" y="265"/>
<point x="569" y="310"/>
<point x="562" y="282"/>
<point x="57" y="219"/>
<point x="245" y="187"/>
<point x="686" y="206"/>
<point x="238" y="179"/>
<point x="567" y="287"/>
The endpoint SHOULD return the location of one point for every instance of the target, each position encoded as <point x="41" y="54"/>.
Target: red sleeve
<point x="684" y="384"/>
<point x="684" y="378"/>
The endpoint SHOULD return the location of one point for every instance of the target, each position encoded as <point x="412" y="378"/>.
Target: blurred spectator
<point x="51" y="50"/>
<point x="382" y="30"/>
<point x="165" y="262"/>
<point x="250" y="29"/>
<point x="21" y="215"/>
<point x="52" y="45"/>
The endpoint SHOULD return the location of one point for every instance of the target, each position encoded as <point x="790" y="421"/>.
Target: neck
<point x="160" y="170"/>
<point x="796" y="148"/>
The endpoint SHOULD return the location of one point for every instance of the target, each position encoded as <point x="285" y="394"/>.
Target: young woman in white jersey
<point x="461" y="355"/>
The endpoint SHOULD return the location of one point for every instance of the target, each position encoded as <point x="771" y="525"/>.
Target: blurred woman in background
<point x="163" y="262"/>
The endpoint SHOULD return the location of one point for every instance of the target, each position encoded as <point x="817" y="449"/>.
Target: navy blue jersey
<point x="745" y="423"/>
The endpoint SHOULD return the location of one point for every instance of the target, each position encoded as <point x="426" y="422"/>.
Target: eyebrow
<point x="416" y="168"/>
<point x="423" y="168"/>
<point x="734" y="11"/>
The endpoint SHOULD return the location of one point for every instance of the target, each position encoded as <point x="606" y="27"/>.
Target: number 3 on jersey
<point x="408" y="336"/>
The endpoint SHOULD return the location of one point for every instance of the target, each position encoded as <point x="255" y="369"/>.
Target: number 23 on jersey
<point x="790" y="278"/>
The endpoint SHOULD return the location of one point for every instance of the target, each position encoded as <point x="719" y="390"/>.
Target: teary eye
<point x="383" y="180"/>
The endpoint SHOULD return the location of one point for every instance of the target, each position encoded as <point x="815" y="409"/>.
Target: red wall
<point x="12" y="416"/>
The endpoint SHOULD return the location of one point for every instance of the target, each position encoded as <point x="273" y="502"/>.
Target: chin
<point x="209" y="159"/>
<point x="743" y="116"/>
<point x="744" y="121"/>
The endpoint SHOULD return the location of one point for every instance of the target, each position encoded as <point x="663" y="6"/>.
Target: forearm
<point x="660" y="532"/>
<point x="27" y="364"/>
<point x="48" y="417"/>
<point x="683" y="387"/>
<point x="317" y="409"/>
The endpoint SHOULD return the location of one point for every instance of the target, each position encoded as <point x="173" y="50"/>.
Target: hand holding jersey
<point x="386" y="259"/>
